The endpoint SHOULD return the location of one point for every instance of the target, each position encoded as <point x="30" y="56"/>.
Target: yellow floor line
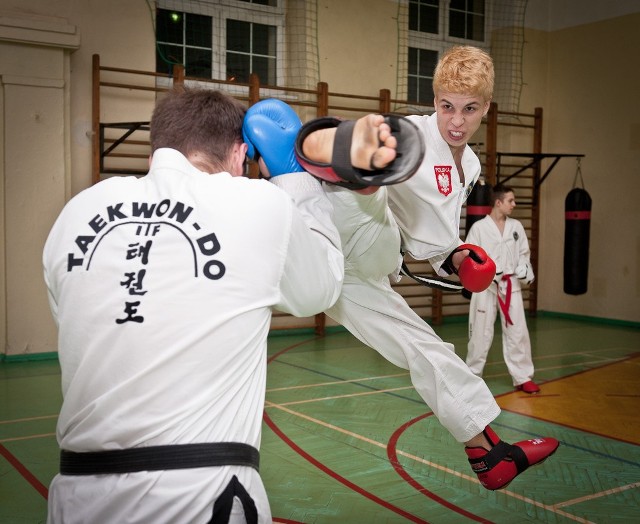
<point x="593" y="496"/>
<point x="552" y="508"/>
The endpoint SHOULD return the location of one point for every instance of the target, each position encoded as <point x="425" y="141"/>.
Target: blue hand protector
<point x="270" y="129"/>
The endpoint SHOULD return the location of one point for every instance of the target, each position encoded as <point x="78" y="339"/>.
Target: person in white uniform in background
<point x="426" y="207"/>
<point x="505" y="240"/>
<point x="162" y="288"/>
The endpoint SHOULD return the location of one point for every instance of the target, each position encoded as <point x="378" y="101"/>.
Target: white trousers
<point x="381" y="318"/>
<point x="516" y="345"/>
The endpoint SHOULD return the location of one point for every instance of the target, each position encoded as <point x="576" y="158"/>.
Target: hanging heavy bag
<point x="577" y="211"/>
<point x="478" y="205"/>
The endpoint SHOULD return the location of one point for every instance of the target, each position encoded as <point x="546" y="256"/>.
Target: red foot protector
<point x="409" y="154"/>
<point x="498" y="467"/>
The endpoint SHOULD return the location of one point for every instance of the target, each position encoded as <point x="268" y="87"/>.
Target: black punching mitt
<point x="410" y="151"/>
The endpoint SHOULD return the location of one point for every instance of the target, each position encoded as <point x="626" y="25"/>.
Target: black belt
<point x="155" y="458"/>
<point x="435" y="282"/>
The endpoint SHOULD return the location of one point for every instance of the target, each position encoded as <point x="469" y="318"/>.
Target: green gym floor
<point x="347" y="440"/>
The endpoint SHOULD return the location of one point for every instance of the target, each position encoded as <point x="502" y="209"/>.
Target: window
<point x="434" y="26"/>
<point x="466" y="19"/>
<point x="424" y="16"/>
<point x="221" y="39"/>
<point x="270" y="3"/>
<point x="183" y="38"/>
<point x="251" y="48"/>
<point x="422" y="62"/>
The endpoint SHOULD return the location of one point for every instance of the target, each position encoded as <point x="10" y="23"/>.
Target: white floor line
<point x="360" y="394"/>
<point x="321" y="384"/>
<point x="26" y="437"/>
<point x="551" y="368"/>
<point x="597" y="495"/>
<point x="28" y="419"/>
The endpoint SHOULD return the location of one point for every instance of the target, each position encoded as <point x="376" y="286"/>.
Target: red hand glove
<point x="477" y="270"/>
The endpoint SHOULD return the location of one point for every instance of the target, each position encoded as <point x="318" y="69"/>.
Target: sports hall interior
<point x="345" y="436"/>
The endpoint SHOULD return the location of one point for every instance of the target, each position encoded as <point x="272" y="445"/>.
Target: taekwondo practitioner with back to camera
<point x="412" y="206"/>
<point x="163" y="288"/>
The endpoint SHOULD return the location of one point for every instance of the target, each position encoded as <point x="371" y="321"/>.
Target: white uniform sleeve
<point x="524" y="269"/>
<point x="53" y="304"/>
<point x="437" y="261"/>
<point x="317" y="253"/>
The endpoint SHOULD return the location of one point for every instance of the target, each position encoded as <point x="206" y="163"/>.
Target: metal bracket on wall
<point x="536" y="158"/>
<point x="129" y="128"/>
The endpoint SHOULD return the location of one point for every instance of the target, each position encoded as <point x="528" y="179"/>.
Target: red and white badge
<point x="443" y="179"/>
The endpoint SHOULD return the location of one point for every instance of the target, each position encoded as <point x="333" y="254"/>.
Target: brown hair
<point x="203" y="121"/>
<point x="499" y="191"/>
<point x="465" y="70"/>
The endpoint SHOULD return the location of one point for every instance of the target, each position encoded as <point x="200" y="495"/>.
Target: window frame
<point x="220" y="69"/>
<point x="409" y="76"/>
<point x="183" y="46"/>
<point x="487" y="27"/>
<point x="220" y="11"/>
<point x="442" y="41"/>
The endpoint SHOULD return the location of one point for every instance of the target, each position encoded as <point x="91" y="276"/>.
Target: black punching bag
<point x="577" y="213"/>
<point x="478" y="205"/>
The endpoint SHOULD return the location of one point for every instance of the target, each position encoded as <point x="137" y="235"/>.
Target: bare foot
<point x="372" y="146"/>
<point x="366" y="151"/>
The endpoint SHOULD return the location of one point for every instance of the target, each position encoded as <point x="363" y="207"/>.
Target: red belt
<point x="504" y="304"/>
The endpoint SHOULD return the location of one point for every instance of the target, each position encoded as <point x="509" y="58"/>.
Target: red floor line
<point x="581" y="372"/>
<point x="393" y="458"/>
<point x="571" y="427"/>
<point x="394" y="462"/>
<point x="324" y="468"/>
<point x="564" y="424"/>
<point x="289" y="348"/>
<point x="20" y="468"/>
<point x="337" y="476"/>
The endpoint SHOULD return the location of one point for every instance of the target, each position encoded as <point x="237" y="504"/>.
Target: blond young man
<point x="421" y="217"/>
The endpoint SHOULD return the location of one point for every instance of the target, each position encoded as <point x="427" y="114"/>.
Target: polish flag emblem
<point x="443" y="179"/>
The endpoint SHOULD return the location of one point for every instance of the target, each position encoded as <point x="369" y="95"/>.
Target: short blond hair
<point x="465" y="70"/>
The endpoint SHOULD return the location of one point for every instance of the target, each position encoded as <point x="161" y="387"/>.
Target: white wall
<point x="585" y="77"/>
<point x="46" y="49"/>
<point x="35" y="167"/>
<point x="580" y="63"/>
<point x="553" y="15"/>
